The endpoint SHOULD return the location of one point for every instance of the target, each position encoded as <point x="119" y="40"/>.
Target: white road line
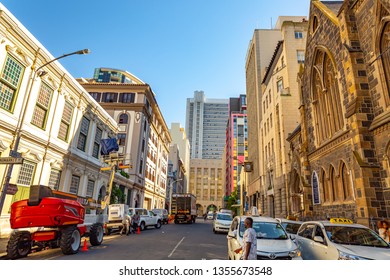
<point x="174" y="249"/>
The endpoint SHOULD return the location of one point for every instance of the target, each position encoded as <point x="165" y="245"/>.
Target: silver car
<point x="273" y="241"/>
<point x="340" y="239"/>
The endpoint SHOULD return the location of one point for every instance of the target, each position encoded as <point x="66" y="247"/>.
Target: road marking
<point x="174" y="249"/>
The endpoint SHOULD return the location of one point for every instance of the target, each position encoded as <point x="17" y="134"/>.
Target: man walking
<point x="249" y="248"/>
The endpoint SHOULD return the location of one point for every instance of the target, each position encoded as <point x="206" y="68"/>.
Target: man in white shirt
<point x="249" y="247"/>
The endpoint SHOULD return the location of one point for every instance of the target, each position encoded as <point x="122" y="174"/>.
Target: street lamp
<point x="14" y="151"/>
<point x="170" y="194"/>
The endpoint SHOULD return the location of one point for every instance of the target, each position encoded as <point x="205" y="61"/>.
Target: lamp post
<point x="170" y="194"/>
<point x="18" y="132"/>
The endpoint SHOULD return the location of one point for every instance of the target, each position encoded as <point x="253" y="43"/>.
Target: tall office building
<point x="206" y="126"/>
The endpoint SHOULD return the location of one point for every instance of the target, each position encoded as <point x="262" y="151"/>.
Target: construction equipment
<point x="54" y="219"/>
<point x="44" y="220"/>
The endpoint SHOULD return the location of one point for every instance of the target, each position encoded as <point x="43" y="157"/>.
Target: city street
<point x="170" y="242"/>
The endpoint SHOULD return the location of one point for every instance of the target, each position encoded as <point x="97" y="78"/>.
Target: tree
<point x="232" y="199"/>
<point x="117" y="196"/>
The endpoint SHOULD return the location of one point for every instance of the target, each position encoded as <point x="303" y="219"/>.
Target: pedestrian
<point x="205" y="217"/>
<point x="126" y="225"/>
<point x="135" y="222"/>
<point x="383" y="230"/>
<point x="249" y="247"/>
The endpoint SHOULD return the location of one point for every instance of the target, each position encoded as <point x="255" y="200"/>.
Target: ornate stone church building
<point x="340" y="152"/>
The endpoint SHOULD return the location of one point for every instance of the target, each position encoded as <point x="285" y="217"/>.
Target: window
<point x="301" y="56"/>
<point x="41" y="109"/>
<point x="384" y="47"/>
<point x="83" y="134"/>
<point x="54" y="180"/>
<point x="95" y="95"/>
<point x="9" y="81"/>
<point x="26" y="173"/>
<point x="74" y="184"/>
<point x="279" y="85"/>
<point x="123" y="119"/>
<point x="90" y="188"/>
<point x="109" y="97"/>
<point x="66" y="119"/>
<point x="127" y="97"/>
<point x="328" y="115"/>
<point x="347" y="188"/>
<point x="298" y="35"/>
<point x="121" y="139"/>
<point x="96" y="144"/>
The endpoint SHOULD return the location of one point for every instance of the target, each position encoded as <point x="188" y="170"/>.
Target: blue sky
<point x="176" y="46"/>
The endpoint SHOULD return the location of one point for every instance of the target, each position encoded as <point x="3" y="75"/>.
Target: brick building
<point x="340" y="151"/>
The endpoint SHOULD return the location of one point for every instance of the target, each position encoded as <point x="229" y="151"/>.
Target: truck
<point x="184" y="208"/>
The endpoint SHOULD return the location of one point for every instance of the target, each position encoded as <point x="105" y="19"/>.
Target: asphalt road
<point x="170" y="242"/>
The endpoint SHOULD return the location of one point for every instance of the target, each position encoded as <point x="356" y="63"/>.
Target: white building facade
<point x="60" y="125"/>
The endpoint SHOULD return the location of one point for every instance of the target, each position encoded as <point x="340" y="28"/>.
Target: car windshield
<point x="355" y="236"/>
<point x="290" y="227"/>
<point x="265" y="230"/>
<point x="225" y="217"/>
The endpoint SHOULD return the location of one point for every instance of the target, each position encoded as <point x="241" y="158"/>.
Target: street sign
<point x="11" y="160"/>
<point x="12" y="189"/>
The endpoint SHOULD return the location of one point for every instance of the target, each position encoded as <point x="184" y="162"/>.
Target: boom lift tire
<point x="19" y="245"/>
<point x="70" y="240"/>
<point x="96" y="234"/>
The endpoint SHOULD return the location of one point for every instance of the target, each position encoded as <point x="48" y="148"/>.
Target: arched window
<point x="314" y="25"/>
<point x="333" y="184"/>
<point x="347" y="187"/>
<point x="384" y="50"/>
<point x="325" y="186"/>
<point x="328" y="115"/>
<point x="123" y="118"/>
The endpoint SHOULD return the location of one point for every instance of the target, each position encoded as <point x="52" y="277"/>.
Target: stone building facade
<point x="340" y="152"/>
<point x="143" y="135"/>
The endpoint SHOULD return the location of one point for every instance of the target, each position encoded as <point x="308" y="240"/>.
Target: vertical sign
<point x="315" y="188"/>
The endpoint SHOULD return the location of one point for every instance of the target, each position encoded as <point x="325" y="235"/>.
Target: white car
<point x="340" y="239"/>
<point x="222" y="222"/>
<point x="273" y="242"/>
<point x="147" y="218"/>
<point x="290" y="226"/>
<point x="210" y="215"/>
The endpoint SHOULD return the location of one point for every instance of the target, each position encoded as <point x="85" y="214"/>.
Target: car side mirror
<point x="318" y="239"/>
<point x="232" y="234"/>
<point x="292" y="237"/>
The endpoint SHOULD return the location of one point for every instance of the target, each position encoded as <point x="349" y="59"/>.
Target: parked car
<point x="147" y="218"/>
<point x="222" y="222"/>
<point x="340" y="239"/>
<point x="163" y="213"/>
<point x="273" y="242"/>
<point x="290" y="226"/>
